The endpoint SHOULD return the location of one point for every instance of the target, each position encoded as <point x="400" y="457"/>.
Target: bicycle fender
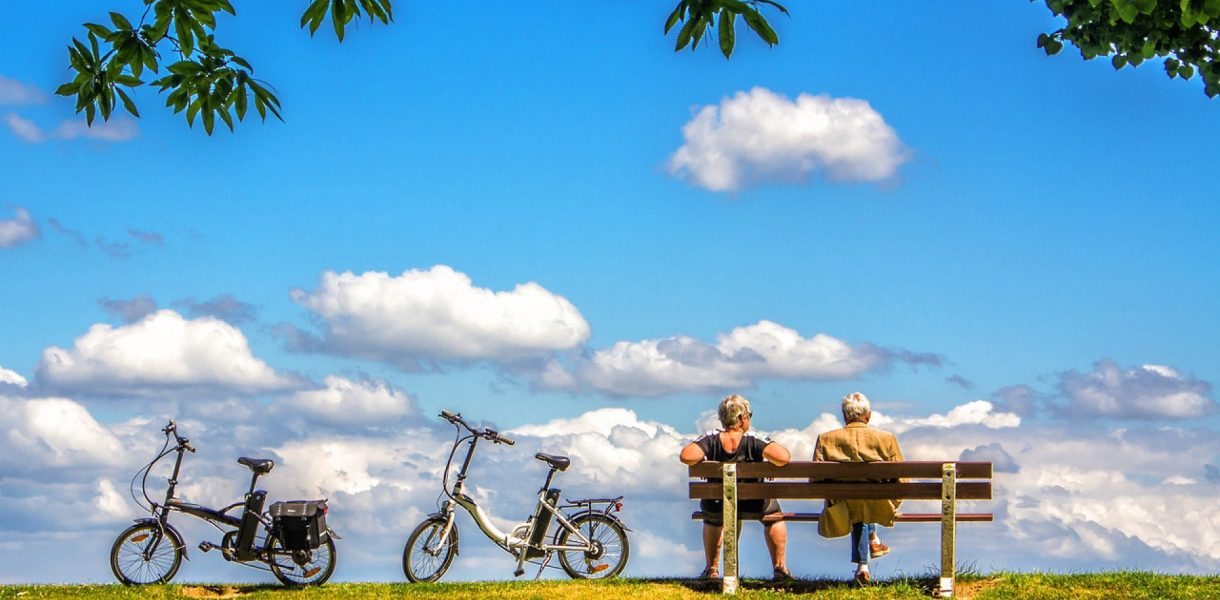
<point x="610" y="516"/>
<point x="457" y="539"/>
<point x="173" y="533"/>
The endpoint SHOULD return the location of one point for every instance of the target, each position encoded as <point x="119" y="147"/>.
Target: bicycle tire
<point x="316" y="571"/>
<point x="422" y="565"/>
<point x="129" y="563"/>
<point x="612" y="549"/>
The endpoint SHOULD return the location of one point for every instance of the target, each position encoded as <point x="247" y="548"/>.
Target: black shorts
<point x="713" y="512"/>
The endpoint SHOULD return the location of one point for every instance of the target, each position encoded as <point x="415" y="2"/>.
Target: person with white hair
<point x="857" y="442"/>
<point x="735" y="444"/>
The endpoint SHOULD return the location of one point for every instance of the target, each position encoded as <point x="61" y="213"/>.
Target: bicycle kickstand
<point x="545" y="561"/>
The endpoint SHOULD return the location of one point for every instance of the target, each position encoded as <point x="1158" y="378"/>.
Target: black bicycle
<point x="291" y="539"/>
<point x="591" y="542"/>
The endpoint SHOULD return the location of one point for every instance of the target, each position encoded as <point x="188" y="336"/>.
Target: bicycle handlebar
<point x="171" y="428"/>
<point x="487" y="433"/>
<point x="496" y="437"/>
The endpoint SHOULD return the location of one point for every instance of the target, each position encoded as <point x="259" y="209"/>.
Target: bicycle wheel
<point x="425" y="558"/>
<point x="302" y="567"/>
<point x="610" y="549"/>
<point x="144" y="553"/>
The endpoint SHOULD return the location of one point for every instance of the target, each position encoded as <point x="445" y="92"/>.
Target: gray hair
<point x="732" y="409"/>
<point x="855" y="406"/>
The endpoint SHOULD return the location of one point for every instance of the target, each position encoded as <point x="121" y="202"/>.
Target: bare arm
<point x="777" y="454"/>
<point x="691" y="454"/>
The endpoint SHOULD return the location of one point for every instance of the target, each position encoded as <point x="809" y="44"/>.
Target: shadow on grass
<point x="924" y="584"/>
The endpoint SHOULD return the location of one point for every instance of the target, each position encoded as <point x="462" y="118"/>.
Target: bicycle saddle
<point x="559" y="463"/>
<point x="261" y="466"/>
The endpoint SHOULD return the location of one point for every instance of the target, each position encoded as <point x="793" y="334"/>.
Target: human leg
<point x="712" y="536"/>
<point x="859" y="543"/>
<point x="777" y="545"/>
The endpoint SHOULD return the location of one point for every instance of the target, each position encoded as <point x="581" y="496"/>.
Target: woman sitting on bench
<point x="735" y="444"/>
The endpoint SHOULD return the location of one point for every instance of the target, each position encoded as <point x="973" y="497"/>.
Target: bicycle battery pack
<point x="541" y="521"/>
<point x="249" y="525"/>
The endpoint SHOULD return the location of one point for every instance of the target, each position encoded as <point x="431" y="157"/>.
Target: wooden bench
<point x="944" y="481"/>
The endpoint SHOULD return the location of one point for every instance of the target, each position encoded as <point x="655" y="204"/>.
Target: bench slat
<point x="833" y="470"/>
<point x="966" y="490"/>
<point x="900" y="518"/>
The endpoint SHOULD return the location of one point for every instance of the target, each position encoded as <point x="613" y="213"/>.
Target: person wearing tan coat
<point x="857" y="442"/>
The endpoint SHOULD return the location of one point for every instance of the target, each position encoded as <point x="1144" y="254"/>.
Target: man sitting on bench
<point x="857" y="442"/>
<point x="734" y="444"/>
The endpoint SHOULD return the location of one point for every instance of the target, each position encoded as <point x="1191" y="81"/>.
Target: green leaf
<point x="239" y="103"/>
<point x="127" y="80"/>
<point x="727" y="23"/>
<point x="128" y="104"/>
<point x="701" y="25"/>
<point x="1127" y="10"/>
<point x="776" y="5"/>
<point x="1119" y="61"/>
<point x="761" y="27"/>
<point x="209" y="120"/>
<point x="120" y="21"/>
<point x="193" y="110"/>
<point x="186" y="40"/>
<point x="315" y="10"/>
<point x="67" y="89"/>
<point x="1186" y="71"/>
<point x="337" y="16"/>
<point x="98" y="30"/>
<point x="674" y="16"/>
<point x="224" y="116"/>
<point x="684" y="35"/>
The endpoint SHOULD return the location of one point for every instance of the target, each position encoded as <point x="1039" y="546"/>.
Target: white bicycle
<point x="591" y="541"/>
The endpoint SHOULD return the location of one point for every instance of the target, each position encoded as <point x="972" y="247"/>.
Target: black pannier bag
<point x="299" y="524"/>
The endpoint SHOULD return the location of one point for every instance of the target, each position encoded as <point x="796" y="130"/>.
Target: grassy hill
<point x="994" y="586"/>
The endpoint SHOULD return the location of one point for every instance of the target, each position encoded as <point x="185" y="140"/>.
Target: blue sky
<point x="1030" y="233"/>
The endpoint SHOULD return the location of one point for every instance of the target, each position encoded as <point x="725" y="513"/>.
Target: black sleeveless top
<point x="749" y="450"/>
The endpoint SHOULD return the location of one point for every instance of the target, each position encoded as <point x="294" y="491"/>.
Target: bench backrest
<point x="859" y="481"/>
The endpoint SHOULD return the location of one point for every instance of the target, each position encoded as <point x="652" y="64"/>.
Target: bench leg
<point x="729" y="583"/>
<point x="948" y="530"/>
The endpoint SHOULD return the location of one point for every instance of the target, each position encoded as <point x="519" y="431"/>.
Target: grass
<point x="1034" y="586"/>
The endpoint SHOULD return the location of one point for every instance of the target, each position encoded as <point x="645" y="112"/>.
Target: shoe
<point x="710" y="573"/>
<point x="782" y="575"/>
<point x="878" y="550"/>
<point x="863" y="578"/>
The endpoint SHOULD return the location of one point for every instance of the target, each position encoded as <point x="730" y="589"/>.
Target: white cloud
<point x="12" y="378"/>
<point x="52" y="432"/>
<point x="978" y="412"/>
<point x="161" y="352"/>
<point x="118" y="129"/>
<point x="14" y="92"/>
<point x="345" y="402"/>
<point x="1145" y="392"/>
<point x="764" y="350"/>
<point x="760" y="136"/>
<point x="25" y="129"/>
<point x="438" y="315"/>
<point x="17" y="230"/>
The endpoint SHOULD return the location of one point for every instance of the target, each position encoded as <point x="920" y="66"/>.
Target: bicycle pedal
<point x="206" y="546"/>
